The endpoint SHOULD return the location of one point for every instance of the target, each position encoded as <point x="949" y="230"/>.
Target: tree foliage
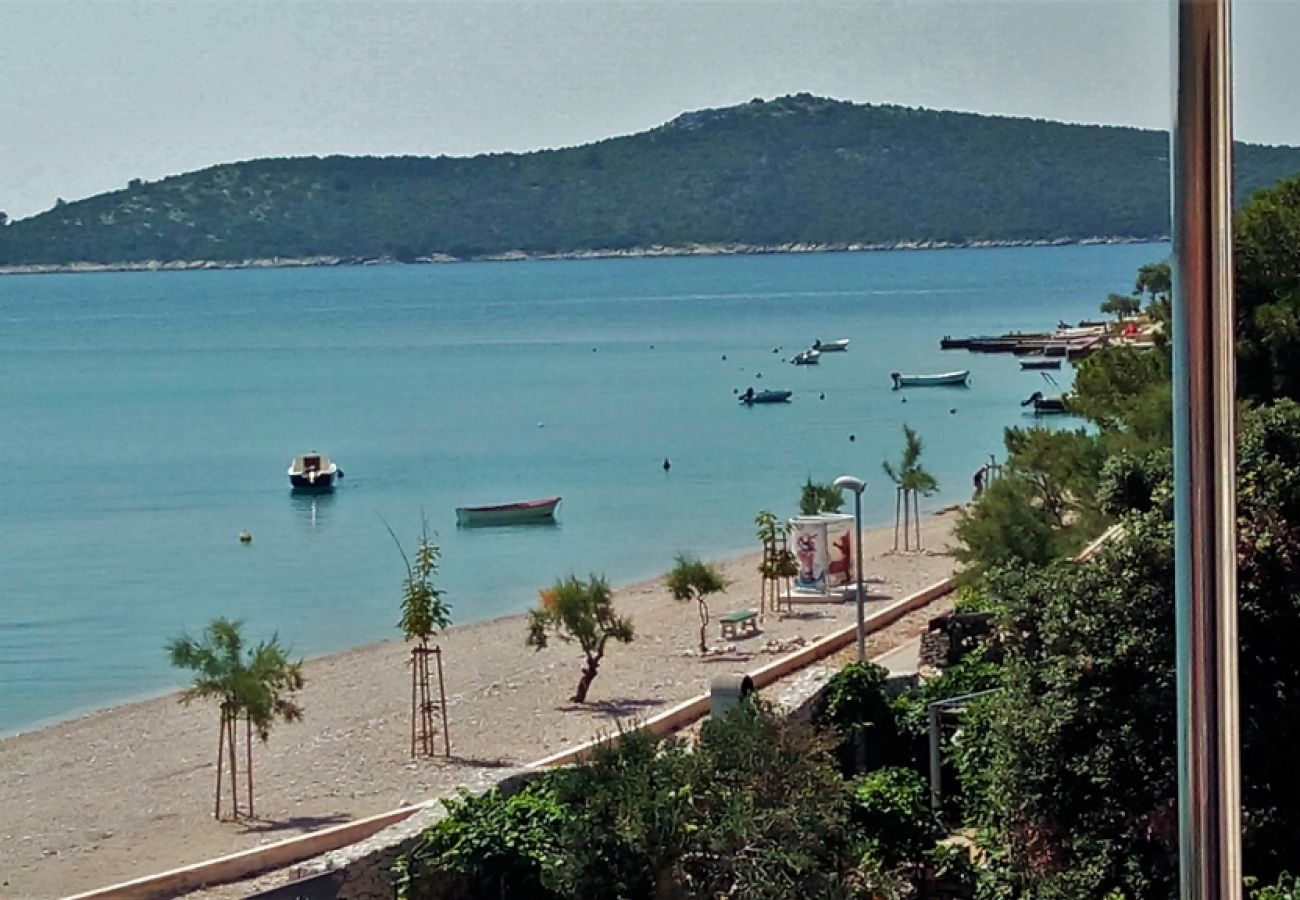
<point x="1267" y="287"/>
<point x="797" y="169"/>
<point x="1121" y="306"/>
<point x="1075" y="776"/>
<point x="816" y="498"/>
<point x="1155" y="280"/>
<point x="691" y="579"/>
<point x="582" y="611"/>
<point x="909" y="474"/>
<point x="257" y="684"/>
<point x="424" y="611"/>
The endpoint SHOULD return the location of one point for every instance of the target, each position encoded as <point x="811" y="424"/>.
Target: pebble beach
<point x="127" y="791"/>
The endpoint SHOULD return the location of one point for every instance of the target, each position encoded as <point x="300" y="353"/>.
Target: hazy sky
<point x="95" y="93"/>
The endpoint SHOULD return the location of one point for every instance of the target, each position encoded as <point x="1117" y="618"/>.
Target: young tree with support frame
<point x="912" y="482"/>
<point x="257" y="686"/>
<point x="424" y="615"/>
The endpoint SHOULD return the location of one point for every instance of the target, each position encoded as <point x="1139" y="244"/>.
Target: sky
<point x="94" y="93"/>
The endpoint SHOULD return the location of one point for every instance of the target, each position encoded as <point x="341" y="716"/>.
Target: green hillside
<point x="795" y="170"/>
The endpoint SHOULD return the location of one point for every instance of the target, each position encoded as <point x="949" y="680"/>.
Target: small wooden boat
<point x="1036" y="364"/>
<point x="749" y="398"/>
<point x="508" y="513"/>
<point x="313" y="472"/>
<point x="946" y="379"/>
<point x="1046" y="406"/>
<point x="807" y="358"/>
<point x="831" y="346"/>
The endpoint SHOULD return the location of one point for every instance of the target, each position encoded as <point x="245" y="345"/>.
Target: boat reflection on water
<point x="311" y="507"/>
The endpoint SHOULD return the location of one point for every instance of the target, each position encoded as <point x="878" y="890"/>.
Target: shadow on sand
<point x="616" y="708"/>
<point x="295" y="823"/>
<point x="480" y="763"/>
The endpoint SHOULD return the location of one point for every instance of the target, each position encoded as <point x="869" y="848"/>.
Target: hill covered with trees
<point x="797" y="170"/>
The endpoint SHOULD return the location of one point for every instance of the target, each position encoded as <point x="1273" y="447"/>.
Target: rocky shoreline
<point x="278" y="262"/>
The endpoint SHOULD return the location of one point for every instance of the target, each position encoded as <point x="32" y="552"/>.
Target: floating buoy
<point x="823" y="396"/>
<point x="667" y="464"/>
<point x="593" y="349"/>
<point x="953" y="411"/>
<point x="735" y="390"/>
<point x="758" y="374"/>
<point x="652" y="346"/>
<point x="853" y="437"/>
<point x="245" y="537"/>
<point x="724" y="357"/>
<point x="904" y="399"/>
<point x="541" y="424"/>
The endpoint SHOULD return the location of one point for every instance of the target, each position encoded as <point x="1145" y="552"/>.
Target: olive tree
<point x="692" y="579"/>
<point x="579" y="611"/>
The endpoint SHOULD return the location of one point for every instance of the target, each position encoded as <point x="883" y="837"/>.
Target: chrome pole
<point x="1209" y="801"/>
<point x="862" y="622"/>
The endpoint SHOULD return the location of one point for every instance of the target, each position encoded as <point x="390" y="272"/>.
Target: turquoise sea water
<point x="148" y="419"/>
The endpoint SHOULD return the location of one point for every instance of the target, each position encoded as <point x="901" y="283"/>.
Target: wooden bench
<point x="741" y="622"/>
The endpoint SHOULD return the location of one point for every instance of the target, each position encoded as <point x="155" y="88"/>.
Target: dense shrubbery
<point x="794" y="170"/>
<point x="755" y="809"/>
<point x="1075" y="780"/>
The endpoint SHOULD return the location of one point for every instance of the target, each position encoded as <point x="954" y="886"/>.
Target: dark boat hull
<point x="324" y="482"/>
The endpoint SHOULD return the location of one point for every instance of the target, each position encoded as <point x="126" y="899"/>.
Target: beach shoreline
<point x="654" y="252"/>
<point x="127" y="791"/>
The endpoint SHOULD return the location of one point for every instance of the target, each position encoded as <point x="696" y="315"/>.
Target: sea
<point x="148" y="419"/>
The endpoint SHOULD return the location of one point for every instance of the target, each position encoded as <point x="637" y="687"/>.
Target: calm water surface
<point x="148" y="419"/>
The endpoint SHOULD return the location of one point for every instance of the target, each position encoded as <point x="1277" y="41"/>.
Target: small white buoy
<point x="245" y="537"/>
<point x="541" y="424"/>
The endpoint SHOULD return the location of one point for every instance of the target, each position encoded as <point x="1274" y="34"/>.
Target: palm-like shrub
<point x="256" y="684"/>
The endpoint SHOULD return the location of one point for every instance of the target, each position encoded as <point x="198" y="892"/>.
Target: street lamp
<point x="857" y="486"/>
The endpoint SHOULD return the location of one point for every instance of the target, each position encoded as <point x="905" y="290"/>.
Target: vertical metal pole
<point x="1204" y="458"/>
<point x="862" y="621"/>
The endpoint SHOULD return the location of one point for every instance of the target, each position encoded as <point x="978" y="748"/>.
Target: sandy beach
<point x="127" y="792"/>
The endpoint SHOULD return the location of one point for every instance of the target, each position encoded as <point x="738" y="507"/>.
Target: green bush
<point x="892" y="807"/>
<point x="487" y="846"/>
<point x="856" y="707"/>
<point x="755" y="809"/>
<point x="1287" y="887"/>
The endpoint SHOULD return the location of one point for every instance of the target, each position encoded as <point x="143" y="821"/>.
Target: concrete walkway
<point x="902" y="660"/>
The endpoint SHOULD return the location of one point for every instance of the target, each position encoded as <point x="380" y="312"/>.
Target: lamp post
<point x="857" y="486"/>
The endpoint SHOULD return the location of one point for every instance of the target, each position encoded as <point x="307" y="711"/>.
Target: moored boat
<point x="831" y="346"/>
<point x="1035" y="364"/>
<point x="313" y="472"/>
<point x="945" y="379"/>
<point x="523" y="512"/>
<point x="808" y="357"/>
<point x="1046" y="406"/>
<point x="749" y="398"/>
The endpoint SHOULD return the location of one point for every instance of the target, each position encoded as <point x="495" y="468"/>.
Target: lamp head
<point x="848" y="482"/>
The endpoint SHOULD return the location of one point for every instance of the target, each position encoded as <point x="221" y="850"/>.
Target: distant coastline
<point x="520" y="256"/>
